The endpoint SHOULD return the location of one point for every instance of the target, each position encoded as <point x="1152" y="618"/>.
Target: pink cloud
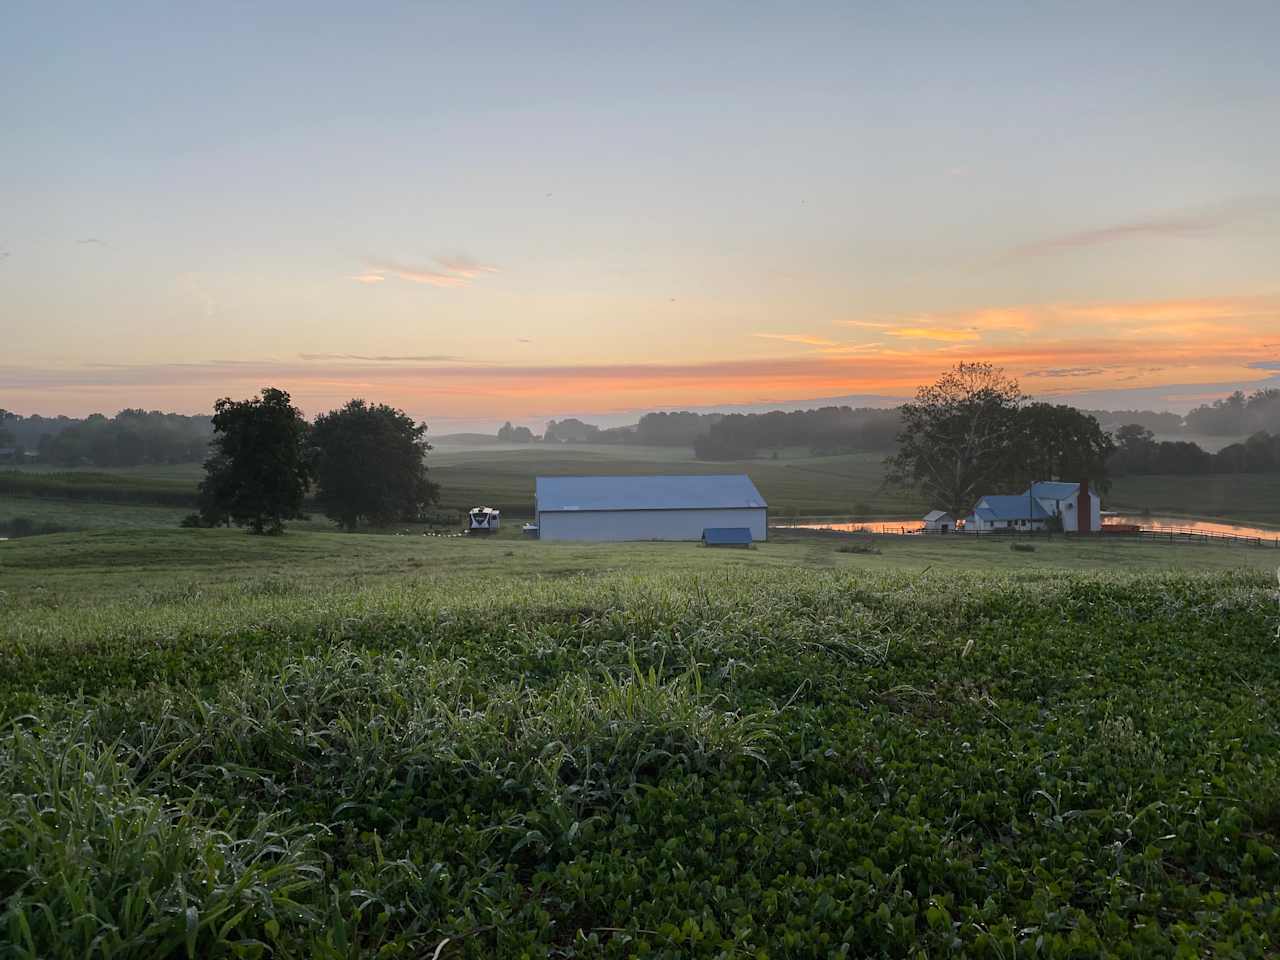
<point x="455" y="271"/>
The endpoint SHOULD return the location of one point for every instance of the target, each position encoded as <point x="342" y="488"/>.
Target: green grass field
<point x="89" y="514"/>
<point x="329" y="745"/>
<point x="1245" y="498"/>
<point x="66" y="569"/>
<point x="502" y="476"/>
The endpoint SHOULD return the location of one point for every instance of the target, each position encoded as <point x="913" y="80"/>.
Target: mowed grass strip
<point x="684" y="755"/>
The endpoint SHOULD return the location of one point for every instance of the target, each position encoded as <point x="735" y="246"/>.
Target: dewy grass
<point x="95" y="866"/>
<point x="733" y="762"/>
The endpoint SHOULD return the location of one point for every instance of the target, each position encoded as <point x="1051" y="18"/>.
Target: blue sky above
<point x="553" y="187"/>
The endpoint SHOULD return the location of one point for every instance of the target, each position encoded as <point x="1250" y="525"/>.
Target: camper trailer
<point x="482" y="520"/>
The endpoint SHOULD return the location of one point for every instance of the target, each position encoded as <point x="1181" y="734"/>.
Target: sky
<point x="491" y="212"/>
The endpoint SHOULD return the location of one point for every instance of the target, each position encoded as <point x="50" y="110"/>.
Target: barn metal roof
<point x="1054" y="489"/>
<point x="699" y="492"/>
<point x="935" y="515"/>
<point x="1012" y="507"/>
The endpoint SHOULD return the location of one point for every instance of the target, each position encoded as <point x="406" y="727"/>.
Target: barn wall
<point x="1067" y="510"/>
<point x="647" y="524"/>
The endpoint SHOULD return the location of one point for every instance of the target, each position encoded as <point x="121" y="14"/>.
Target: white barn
<point x="938" y="521"/>
<point x="647" y="507"/>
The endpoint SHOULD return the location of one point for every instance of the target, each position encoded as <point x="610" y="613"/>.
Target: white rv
<point x="483" y="520"/>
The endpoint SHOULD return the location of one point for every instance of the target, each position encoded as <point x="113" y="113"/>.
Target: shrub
<point x="859" y="546"/>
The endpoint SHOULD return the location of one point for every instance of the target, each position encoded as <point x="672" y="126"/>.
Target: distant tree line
<point x="1160" y="421"/>
<point x="509" y="434"/>
<point x="1138" y="452"/>
<point x="130" y="438"/>
<point x="735" y="436"/>
<point x="1237" y="415"/>
<point x="366" y="461"/>
<point x="664" y="429"/>
<point x="826" y="430"/>
<point x="681" y="428"/>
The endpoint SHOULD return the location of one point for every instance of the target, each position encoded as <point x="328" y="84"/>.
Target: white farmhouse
<point x="1079" y="507"/>
<point x="1074" y="505"/>
<point x="647" y="507"/>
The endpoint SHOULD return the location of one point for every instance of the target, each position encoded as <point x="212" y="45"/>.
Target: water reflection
<point x="1173" y="525"/>
<point x="862" y="526"/>
<point x="1184" y="525"/>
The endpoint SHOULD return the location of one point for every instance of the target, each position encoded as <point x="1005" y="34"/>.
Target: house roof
<point x="708" y="491"/>
<point x="727" y="536"/>
<point x="934" y="515"/>
<point x="1054" y="489"/>
<point x="1011" y="507"/>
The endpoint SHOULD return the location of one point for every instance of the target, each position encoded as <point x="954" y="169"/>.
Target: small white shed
<point x="939" y="521"/>
<point x="647" y="507"/>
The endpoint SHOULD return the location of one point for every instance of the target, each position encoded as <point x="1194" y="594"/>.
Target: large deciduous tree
<point x="258" y="471"/>
<point x="370" y="465"/>
<point x="958" y="437"/>
<point x="1059" y="442"/>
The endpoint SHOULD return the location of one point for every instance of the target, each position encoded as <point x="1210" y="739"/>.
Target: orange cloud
<point x="798" y="338"/>
<point x="934" y="333"/>
<point x="1076" y="345"/>
<point x="955" y="326"/>
<point x="1220" y="308"/>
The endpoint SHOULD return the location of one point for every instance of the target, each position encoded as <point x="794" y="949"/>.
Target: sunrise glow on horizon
<point x="543" y="212"/>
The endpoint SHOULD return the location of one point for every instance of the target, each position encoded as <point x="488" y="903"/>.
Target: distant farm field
<point x="1251" y="497"/>
<point x="88" y="514"/>
<point x="328" y="745"/>
<point x="503" y="475"/>
<point x="795" y="483"/>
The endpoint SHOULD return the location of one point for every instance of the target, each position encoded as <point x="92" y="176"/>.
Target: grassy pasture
<point x="502" y="475"/>
<point x="1247" y="498"/>
<point x="70" y="570"/>
<point x="90" y="514"/>
<point x="325" y="745"/>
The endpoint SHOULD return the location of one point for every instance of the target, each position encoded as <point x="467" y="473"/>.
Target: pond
<point x="1185" y="525"/>
<point x="1175" y="525"/>
<point x="904" y="525"/>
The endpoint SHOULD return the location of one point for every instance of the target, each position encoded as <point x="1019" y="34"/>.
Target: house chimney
<point x="1084" y="508"/>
